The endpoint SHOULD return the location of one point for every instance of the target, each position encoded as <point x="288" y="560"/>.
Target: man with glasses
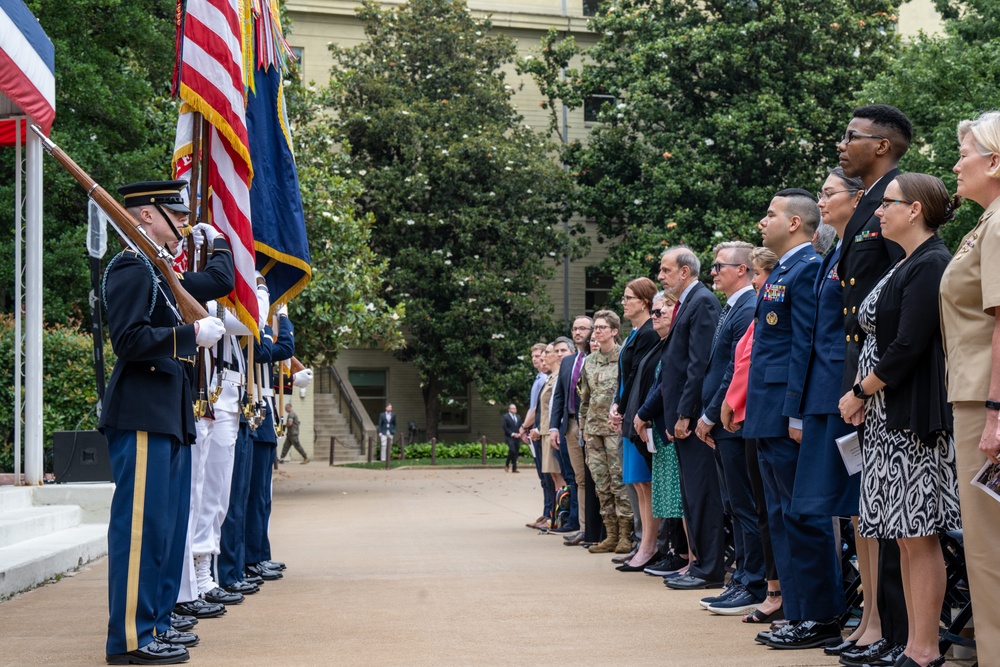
<point x="876" y="139"/>
<point x="731" y="273"/>
<point x="565" y="427"/>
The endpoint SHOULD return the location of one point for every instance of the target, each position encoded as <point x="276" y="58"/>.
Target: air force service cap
<point x="165" y="193"/>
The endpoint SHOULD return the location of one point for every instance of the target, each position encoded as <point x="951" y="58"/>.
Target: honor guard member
<point x="257" y="548"/>
<point x="148" y="421"/>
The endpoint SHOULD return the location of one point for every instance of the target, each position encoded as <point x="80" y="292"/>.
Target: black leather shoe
<point x="153" y="653"/>
<point x="219" y="596"/>
<point x="178" y="638"/>
<point x="765" y="636"/>
<point x="199" y="609"/>
<point x="689" y="583"/>
<point x="242" y="587"/>
<point x="253" y="579"/>
<point x="890" y="657"/>
<point x="807" y="634"/>
<point x="182" y="623"/>
<point x="861" y="655"/>
<point x="273" y="565"/>
<point x="262" y="572"/>
<point x="841" y="647"/>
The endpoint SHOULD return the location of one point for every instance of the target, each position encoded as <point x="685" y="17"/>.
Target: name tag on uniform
<point x="775" y="293"/>
<point x="867" y="235"/>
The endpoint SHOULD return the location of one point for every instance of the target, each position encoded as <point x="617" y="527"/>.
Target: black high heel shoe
<point x="629" y="567"/>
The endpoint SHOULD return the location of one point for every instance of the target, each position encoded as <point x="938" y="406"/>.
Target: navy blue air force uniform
<point x="149" y="422"/>
<point x="803" y="544"/>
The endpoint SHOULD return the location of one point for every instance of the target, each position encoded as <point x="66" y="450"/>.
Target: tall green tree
<point x="114" y="116"/>
<point x="710" y="106"/>
<point x="939" y="80"/>
<point x="466" y="199"/>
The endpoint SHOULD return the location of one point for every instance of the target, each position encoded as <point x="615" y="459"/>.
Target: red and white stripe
<point x="212" y="83"/>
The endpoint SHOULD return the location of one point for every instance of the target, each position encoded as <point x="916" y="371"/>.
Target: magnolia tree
<point x="466" y="199"/>
<point x="706" y="108"/>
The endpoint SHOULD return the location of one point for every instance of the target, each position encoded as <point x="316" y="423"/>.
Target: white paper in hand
<point x="850" y="451"/>
<point x="650" y="445"/>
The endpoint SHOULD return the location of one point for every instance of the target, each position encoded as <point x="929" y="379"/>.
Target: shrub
<point x="461" y="450"/>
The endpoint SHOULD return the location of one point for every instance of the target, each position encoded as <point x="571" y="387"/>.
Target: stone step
<point x="14" y="498"/>
<point x="26" y="564"/>
<point x="26" y="523"/>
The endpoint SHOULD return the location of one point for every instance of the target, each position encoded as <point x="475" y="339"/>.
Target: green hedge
<point x="461" y="450"/>
<point x="70" y="395"/>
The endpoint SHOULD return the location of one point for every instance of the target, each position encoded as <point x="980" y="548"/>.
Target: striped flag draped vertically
<point x="210" y="81"/>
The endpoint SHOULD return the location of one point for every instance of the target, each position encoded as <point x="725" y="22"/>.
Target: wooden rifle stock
<point x="189" y="308"/>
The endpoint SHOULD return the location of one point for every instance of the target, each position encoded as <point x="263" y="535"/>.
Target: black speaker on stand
<point x="80" y="456"/>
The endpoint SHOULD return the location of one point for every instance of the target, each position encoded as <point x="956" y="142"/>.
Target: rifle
<point x="126" y="226"/>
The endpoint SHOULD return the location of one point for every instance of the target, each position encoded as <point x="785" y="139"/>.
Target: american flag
<point x="210" y="80"/>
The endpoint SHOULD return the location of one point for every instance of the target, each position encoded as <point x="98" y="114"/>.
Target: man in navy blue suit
<point x="732" y="274"/>
<point x="682" y="370"/>
<point x="804" y="547"/>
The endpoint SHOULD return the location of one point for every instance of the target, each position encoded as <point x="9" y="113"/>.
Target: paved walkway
<point x="414" y="567"/>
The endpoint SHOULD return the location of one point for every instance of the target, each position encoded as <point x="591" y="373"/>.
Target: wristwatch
<point x="993" y="405"/>
<point x="859" y="391"/>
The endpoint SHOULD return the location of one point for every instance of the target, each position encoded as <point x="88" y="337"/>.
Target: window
<point x="592" y="107"/>
<point x="597" y="290"/>
<point x="455" y="411"/>
<point x="371" y="388"/>
<point x="590" y="7"/>
<point x="299" y="63"/>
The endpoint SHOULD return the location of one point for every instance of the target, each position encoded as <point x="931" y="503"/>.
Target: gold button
<point x="852" y="281"/>
<point x="843" y="284"/>
<point x="848" y="338"/>
<point x="854" y="309"/>
<point x="845" y="311"/>
<point x="855" y="338"/>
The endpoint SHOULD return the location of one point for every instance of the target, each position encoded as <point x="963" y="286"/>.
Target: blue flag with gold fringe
<point x="279" y="228"/>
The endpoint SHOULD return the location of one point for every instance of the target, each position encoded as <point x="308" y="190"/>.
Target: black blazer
<point x="631" y="354"/>
<point x="644" y="380"/>
<point x="908" y="340"/>
<point x="509" y="425"/>
<point x="560" y="393"/>
<point x="865" y="256"/>
<point x="721" y="363"/>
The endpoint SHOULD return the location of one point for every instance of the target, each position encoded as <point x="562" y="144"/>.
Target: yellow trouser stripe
<point x="135" y="550"/>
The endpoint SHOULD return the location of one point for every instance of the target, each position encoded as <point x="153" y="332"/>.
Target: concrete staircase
<point x="49" y="530"/>
<point x="329" y="421"/>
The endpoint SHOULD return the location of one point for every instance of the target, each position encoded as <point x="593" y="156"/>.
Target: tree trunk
<point x="432" y="406"/>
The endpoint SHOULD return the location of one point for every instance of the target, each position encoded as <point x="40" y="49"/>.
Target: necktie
<point x="673" y="316"/>
<point x="722" y="319"/>
<point x="572" y="385"/>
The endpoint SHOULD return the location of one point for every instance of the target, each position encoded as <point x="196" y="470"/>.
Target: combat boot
<point x="624" y="536"/>
<point x="610" y="542"/>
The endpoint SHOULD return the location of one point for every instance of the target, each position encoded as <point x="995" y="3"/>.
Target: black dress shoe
<point x="841" y="647"/>
<point x="262" y="572"/>
<point x="764" y="636"/>
<point x="153" y="653"/>
<point x="253" y="579"/>
<point x="242" y="587"/>
<point x="178" y="638"/>
<point x="890" y="657"/>
<point x="199" y="609"/>
<point x="861" y="655"/>
<point x="219" y="596"/>
<point x="629" y="567"/>
<point x="273" y="565"/>
<point x="182" y="623"/>
<point x="807" y="634"/>
<point x="689" y="583"/>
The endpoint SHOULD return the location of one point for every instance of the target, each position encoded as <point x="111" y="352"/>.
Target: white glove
<point x="303" y="378"/>
<point x="210" y="330"/>
<point x="204" y="231"/>
<point x="283" y="310"/>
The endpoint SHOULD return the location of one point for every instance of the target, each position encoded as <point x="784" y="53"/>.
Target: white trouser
<point x="384" y="437"/>
<point x="212" y="475"/>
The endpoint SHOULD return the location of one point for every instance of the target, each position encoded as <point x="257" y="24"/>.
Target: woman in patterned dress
<point x="909" y="485"/>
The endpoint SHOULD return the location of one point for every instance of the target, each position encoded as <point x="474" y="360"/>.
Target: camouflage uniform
<point x="598" y="383"/>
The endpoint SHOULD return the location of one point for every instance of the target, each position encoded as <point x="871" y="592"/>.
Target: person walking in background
<point x="511" y="425"/>
<point x="970" y="323"/>
<point x="386" y="431"/>
<point x="292" y="435"/>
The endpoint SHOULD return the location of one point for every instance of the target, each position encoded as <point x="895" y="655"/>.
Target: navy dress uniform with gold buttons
<point x="803" y="544"/>
<point x="149" y="423"/>
<point x="822" y="485"/>
<point x="265" y="443"/>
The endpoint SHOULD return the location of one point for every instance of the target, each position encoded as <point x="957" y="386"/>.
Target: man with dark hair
<point x="875" y="140"/>
<point x="804" y="545"/>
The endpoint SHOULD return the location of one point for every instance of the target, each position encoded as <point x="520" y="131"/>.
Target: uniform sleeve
<point x="803" y="298"/>
<point x="128" y="290"/>
<point x="584" y="408"/>
<point x="217" y="279"/>
<point x="989" y="245"/>
<point x="284" y="343"/>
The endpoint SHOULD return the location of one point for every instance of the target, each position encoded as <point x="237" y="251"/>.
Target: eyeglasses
<point x="583" y="328"/>
<point x="602" y="327"/>
<point x="851" y="135"/>
<point x="717" y="267"/>
<point x="821" y="195"/>
<point x="656" y="312"/>
<point x="886" y="202"/>
<point x="627" y="298"/>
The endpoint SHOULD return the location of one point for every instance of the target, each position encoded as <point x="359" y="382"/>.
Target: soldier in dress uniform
<point x="149" y="423"/>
